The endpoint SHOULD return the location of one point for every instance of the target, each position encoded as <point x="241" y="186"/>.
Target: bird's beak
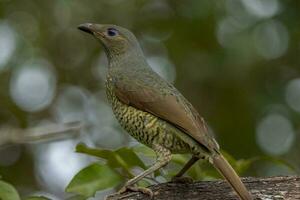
<point x="88" y="27"/>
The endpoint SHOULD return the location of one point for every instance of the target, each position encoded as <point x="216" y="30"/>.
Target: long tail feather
<point x="231" y="176"/>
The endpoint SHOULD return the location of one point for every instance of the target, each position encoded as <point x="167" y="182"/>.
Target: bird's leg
<point x="178" y="177"/>
<point x="187" y="166"/>
<point x="163" y="158"/>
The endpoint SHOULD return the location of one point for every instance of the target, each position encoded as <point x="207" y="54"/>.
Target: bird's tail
<point x="231" y="176"/>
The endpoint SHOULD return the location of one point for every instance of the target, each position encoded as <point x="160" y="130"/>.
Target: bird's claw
<point x="143" y="190"/>
<point x="182" y="179"/>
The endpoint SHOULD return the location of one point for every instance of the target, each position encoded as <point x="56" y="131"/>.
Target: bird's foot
<point x="182" y="179"/>
<point x="143" y="190"/>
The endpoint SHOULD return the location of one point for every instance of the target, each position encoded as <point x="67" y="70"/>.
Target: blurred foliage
<point x="37" y="198"/>
<point x="8" y="192"/>
<point x="123" y="157"/>
<point x="236" y="61"/>
<point x="93" y="178"/>
<point x="119" y="164"/>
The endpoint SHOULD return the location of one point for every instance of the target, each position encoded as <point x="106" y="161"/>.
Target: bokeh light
<point x="236" y="10"/>
<point x="275" y="134"/>
<point x="45" y="194"/>
<point x="21" y="21"/>
<point x="292" y="94"/>
<point x="104" y="129"/>
<point x="71" y="104"/>
<point x="157" y="10"/>
<point x="271" y="39"/>
<point x="262" y="8"/>
<point x="227" y="30"/>
<point x="8" y="42"/>
<point x="32" y="86"/>
<point x="56" y="164"/>
<point x="163" y="67"/>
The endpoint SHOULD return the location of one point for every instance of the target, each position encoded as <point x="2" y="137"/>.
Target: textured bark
<point x="272" y="188"/>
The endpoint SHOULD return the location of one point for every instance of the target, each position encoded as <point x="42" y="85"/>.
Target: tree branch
<point x="272" y="188"/>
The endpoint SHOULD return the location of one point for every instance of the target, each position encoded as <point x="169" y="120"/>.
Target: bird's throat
<point x="128" y="60"/>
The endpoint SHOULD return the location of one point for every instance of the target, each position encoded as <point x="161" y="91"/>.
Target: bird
<point x="153" y="111"/>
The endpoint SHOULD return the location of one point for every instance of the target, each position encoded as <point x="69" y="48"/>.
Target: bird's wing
<point x="161" y="99"/>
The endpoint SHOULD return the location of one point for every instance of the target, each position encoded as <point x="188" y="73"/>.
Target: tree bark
<point x="272" y="188"/>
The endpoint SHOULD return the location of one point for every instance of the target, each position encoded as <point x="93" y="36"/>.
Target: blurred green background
<point x="236" y="61"/>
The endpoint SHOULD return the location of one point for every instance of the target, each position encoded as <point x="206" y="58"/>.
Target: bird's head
<point x="116" y="40"/>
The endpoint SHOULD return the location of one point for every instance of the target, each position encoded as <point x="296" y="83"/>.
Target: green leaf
<point x="243" y="165"/>
<point x="130" y="157"/>
<point x="180" y="159"/>
<point x="93" y="178"/>
<point x="101" y="153"/>
<point x="37" y="198"/>
<point x="8" y="192"/>
<point x="146" y="151"/>
<point x="124" y="157"/>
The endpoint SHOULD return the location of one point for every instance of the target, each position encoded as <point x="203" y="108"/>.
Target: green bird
<point x="153" y="111"/>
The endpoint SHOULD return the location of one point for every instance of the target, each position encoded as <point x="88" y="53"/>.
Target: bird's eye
<point x="112" y="32"/>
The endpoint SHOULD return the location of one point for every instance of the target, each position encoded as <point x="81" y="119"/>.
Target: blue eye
<point x="112" y="32"/>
